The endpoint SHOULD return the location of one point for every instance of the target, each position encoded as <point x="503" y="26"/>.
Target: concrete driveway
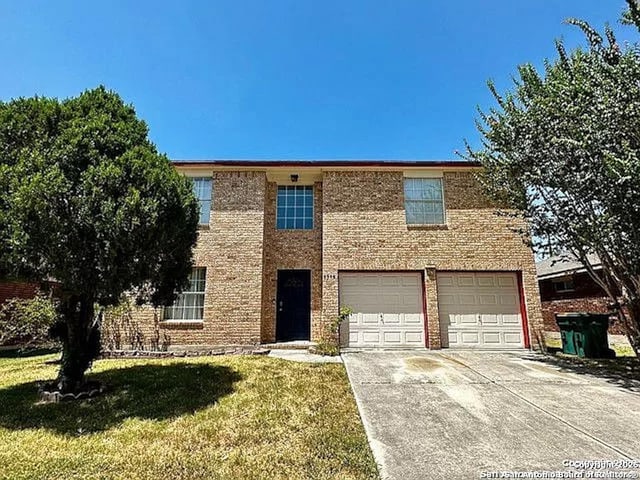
<point x="455" y="415"/>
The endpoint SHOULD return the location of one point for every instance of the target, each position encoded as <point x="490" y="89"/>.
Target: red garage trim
<point x="424" y="309"/>
<point x="523" y="311"/>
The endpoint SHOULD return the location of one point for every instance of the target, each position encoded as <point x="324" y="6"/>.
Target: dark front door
<point x="293" y="305"/>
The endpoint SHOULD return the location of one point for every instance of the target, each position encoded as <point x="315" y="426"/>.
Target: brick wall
<point x="10" y="290"/>
<point x="231" y="249"/>
<point x="291" y="250"/>
<point x="586" y="296"/>
<point x="365" y="229"/>
<point x="359" y="224"/>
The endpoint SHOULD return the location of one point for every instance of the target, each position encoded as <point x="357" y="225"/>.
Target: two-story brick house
<point x="414" y="248"/>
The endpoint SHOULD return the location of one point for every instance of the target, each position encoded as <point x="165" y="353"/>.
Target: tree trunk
<point x="79" y="346"/>
<point x="632" y="324"/>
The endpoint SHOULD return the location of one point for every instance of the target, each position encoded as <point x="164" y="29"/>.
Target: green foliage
<point x="26" y="322"/>
<point x="632" y="15"/>
<point x="89" y="201"/>
<point x="329" y="344"/>
<point x="120" y="330"/>
<point x="86" y="199"/>
<point x="563" y="149"/>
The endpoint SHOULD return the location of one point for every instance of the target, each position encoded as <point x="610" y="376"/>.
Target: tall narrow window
<point x="423" y="201"/>
<point x="202" y="191"/>
<point x="190" y="303"/>
<point x="295" y="207"/>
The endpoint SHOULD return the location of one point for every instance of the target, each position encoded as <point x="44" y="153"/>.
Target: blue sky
<point x="290" y="79"/>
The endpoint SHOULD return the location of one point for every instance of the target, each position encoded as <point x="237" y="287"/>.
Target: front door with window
<point x="293" y="305"/>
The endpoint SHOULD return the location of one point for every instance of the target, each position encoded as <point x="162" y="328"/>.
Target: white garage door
<point x="387" y="309"/>
<point x="479" y="310"/>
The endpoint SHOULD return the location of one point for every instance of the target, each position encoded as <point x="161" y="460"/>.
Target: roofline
<point x="569" y="271"/>
<point x="326" y="163"/>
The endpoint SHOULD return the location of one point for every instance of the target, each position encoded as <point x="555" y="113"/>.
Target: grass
<point x="191" y="418"/>
<point x="621" y="350"/>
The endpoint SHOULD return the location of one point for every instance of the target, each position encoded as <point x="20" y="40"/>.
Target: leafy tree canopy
<point x="563" y="148"/>
<point x="87" y="200"/>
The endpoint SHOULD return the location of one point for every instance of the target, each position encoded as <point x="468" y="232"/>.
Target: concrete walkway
<point x="303" y="356"/>
<point x="454" y="415"/>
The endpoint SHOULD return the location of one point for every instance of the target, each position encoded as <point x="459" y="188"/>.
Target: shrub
<point x="26" y="322"/>
<point x="121" y="331"/>
<point x="330" y="343"/>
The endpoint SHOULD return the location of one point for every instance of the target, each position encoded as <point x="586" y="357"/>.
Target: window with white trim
<point x="189" y="305"/>
<point x="202" y="191"/>
<point x="295" y="207"/>
<point x="424" y="201"/>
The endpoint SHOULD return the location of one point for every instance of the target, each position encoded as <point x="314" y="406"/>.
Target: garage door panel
<point x="390" y="280"/>
<point x="512" y="319"/>
<point x="387" y="309"/>
<point x="486" y="280"/>
<point x="410" y="304"/>
<point x="507" y="281"/>
<point x="392" y="338"/>
<point x="491" y="338"/>
<point x="467" y="299"/>
<point x="509" y="299"/>
<point x="487" y="299"/>
<point x="471" y="337"/>
<point x="364" y="302"/>
<point x="367" y="319"/>
<point x="350" y="281"/>
<point x="391" y="319"/>
<point x="466" y="319"/>
<point x="369" y="281"/>
<point x="480" y="310"/>
<point x="413" y="280"/>
<point x="513" y="338"/>
<point x="414" y="319"/>
<point x="392" y="301"/>
<point x="370" y="337"/>
<point x="444" y="299"/>
<point x="414" y="337"/>
<point x="489" y="319"/>
<point x="465" y="280"/>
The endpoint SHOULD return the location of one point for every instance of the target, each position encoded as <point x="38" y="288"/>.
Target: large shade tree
<point x="87" y="200"/>
<point x="563" y="148"/>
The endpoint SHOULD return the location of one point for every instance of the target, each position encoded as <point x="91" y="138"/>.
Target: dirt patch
<point x="422" y="364"/>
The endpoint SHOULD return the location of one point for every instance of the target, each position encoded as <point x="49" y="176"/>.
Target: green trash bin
<point x="585" y="334"/>
<point x="568" y="327"/>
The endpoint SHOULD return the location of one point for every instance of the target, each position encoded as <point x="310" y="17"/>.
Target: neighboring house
<point x="414" y="248"/>
<point x="565" y="287"/>
<point x="26" y="290"/>
<point x="17" y="289"/>
<point x="13" y="289"/>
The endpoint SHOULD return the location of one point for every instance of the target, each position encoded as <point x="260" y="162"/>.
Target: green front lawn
<point x="193" y="418"/>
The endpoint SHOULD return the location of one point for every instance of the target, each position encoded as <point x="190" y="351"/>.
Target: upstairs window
<point x="563" y="285"/>
<point x="202" y="191"/>
<point x="423" y="201"/>
<point x="189" y="305"/>
<point x="295" y="207"/>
